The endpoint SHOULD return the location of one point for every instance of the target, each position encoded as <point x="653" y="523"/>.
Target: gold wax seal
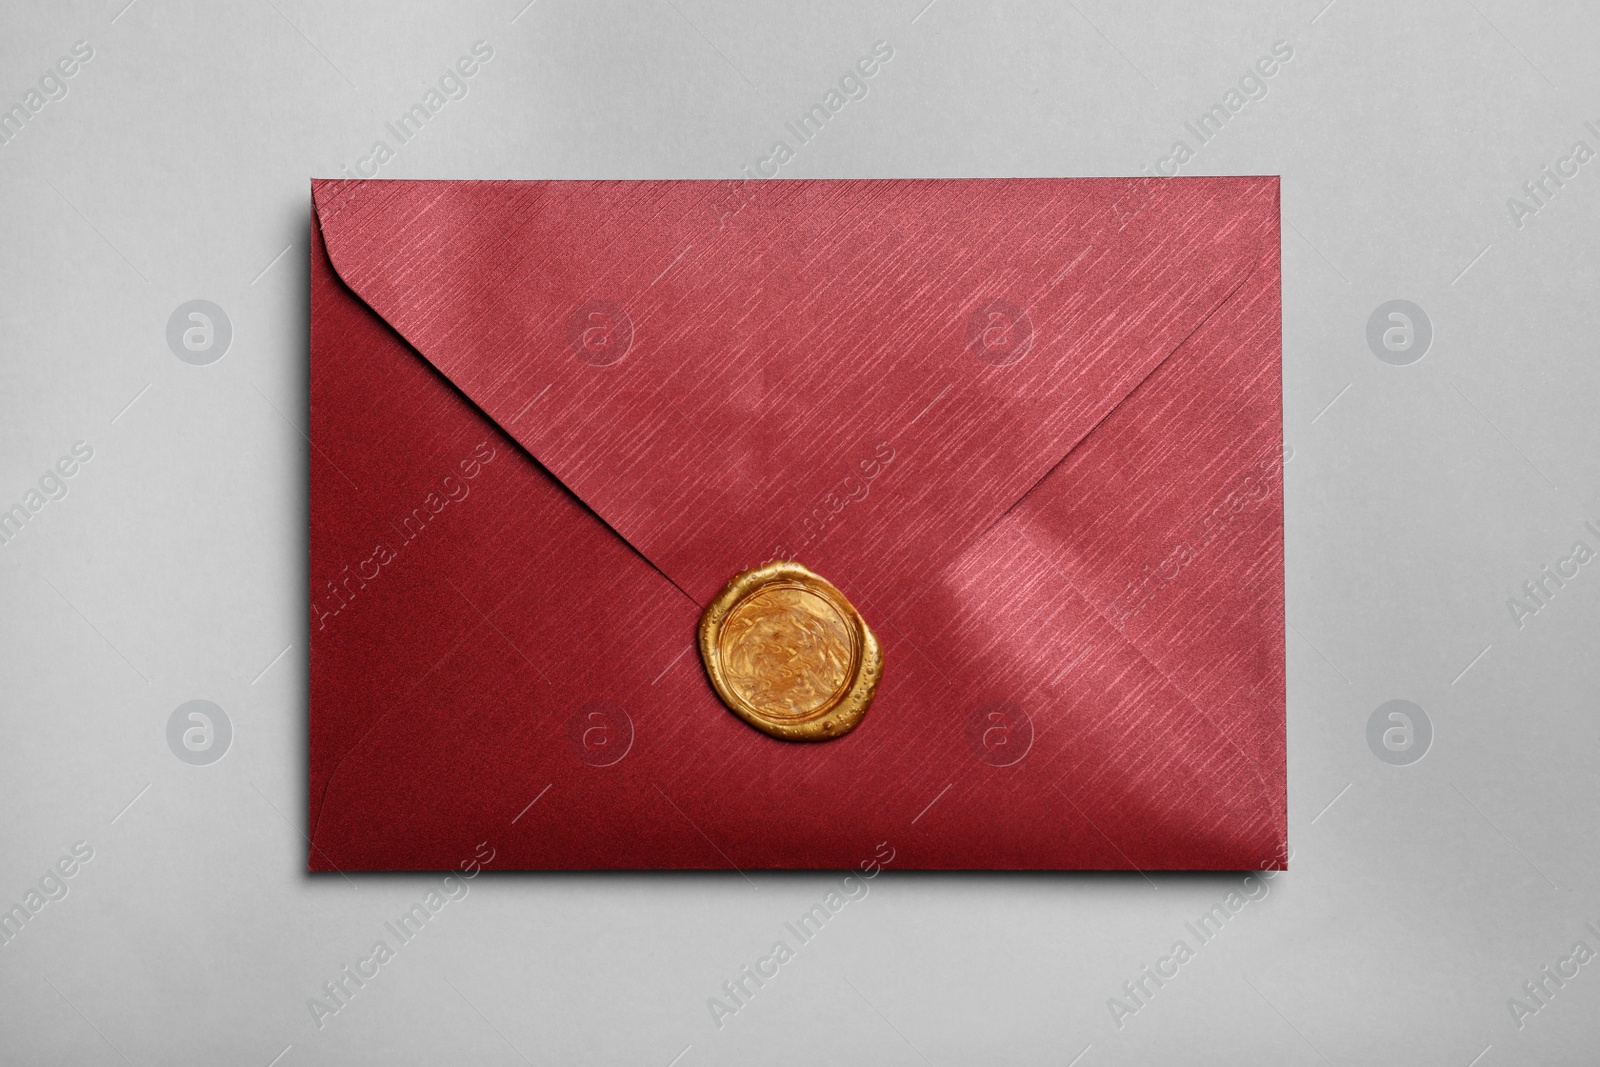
<point x="789" y="654"/>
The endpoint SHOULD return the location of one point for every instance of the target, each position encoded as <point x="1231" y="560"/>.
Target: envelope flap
<point x="862" y="375"/>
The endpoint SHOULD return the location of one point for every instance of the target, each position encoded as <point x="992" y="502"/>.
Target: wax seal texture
<point x="789" y="655"/>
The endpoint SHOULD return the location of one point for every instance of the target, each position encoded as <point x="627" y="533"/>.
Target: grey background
<point x="1420" y="498"/>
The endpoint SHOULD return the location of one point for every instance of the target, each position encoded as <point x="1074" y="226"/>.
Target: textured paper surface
<point x="1107" y="498"/>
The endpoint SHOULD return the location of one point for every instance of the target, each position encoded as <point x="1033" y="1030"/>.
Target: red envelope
<point x="1030" y="428"/>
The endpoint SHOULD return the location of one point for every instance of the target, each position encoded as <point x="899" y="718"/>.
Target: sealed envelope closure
<point x="1030" y="429"/>
<point x="789" y="655"/>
